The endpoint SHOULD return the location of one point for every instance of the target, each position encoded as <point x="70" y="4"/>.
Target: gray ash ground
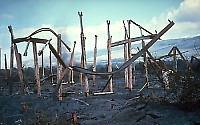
<point x="154" y="106"/>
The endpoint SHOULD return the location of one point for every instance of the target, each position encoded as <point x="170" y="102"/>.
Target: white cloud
<point x="186" y="18"/>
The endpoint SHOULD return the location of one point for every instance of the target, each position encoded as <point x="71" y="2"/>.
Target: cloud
<point x="186" y="18"/>
<point x="7" y="16"/>
<point x="188" y="11"/>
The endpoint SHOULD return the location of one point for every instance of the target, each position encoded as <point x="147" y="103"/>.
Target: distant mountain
<point x="190" y="46"/>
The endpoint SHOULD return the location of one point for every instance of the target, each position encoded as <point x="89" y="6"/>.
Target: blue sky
<point x="27" y="16"/>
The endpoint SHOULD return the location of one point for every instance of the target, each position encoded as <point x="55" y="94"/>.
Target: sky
<point x="26" y="16"/>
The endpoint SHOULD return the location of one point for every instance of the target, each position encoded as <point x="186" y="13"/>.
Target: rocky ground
<point x="153" y="106"/>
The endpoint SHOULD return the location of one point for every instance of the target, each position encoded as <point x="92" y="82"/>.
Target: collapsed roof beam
<point x="122" y="42"/>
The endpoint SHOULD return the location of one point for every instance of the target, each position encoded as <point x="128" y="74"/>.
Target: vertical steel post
<point x="37" y="75"/>
<point x="129" y="56"/>
<point x="59" y="67"/>
<point x="109" y="56"/>
<point x="83" y="54"/>
<point x="95" y="61"/>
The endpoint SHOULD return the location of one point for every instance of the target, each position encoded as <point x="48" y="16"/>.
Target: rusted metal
<point x="125" y="56"/>
<point x="95" y="61"/>
<point x="59" y="66"/>
<point x="71" y="72"/>
<point x="109" y="56"/>
<point x="129" y="56"/>
<point x="37" y="75"/>
<point x="83" y="54"/>
<point x="19" y="66"/>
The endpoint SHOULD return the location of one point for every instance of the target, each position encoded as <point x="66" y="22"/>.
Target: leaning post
<point x="71" y="72"/>
<point x="19" y="66"/>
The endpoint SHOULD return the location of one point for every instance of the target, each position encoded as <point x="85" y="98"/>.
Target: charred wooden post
<point x="125" y="57"/>
<point x="26" y="49"/>
<point x="145" y="62"/>
<point x="71" y="72"/>
<point x="81" y="74"/>
<point x="95" y="61"/>
<point x="11" y="53"/>
<point x="130" y="56"/>
<point x="175" y="59"/>
<point x="6" y="70"/>
<point x="59" y="67"/>
<point x="42" y="65"/>
<point x="50" y="66"/>
<point x="152" y="58"/>
<point x="109" y="56"/>
<point x="19" y="66"/>
<point x="0" y="58"/>
<point x="37" y="75"/>
<point x="56" y="90"/>
<point x="183" y="58"/>
<point x="83" y="54"/>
